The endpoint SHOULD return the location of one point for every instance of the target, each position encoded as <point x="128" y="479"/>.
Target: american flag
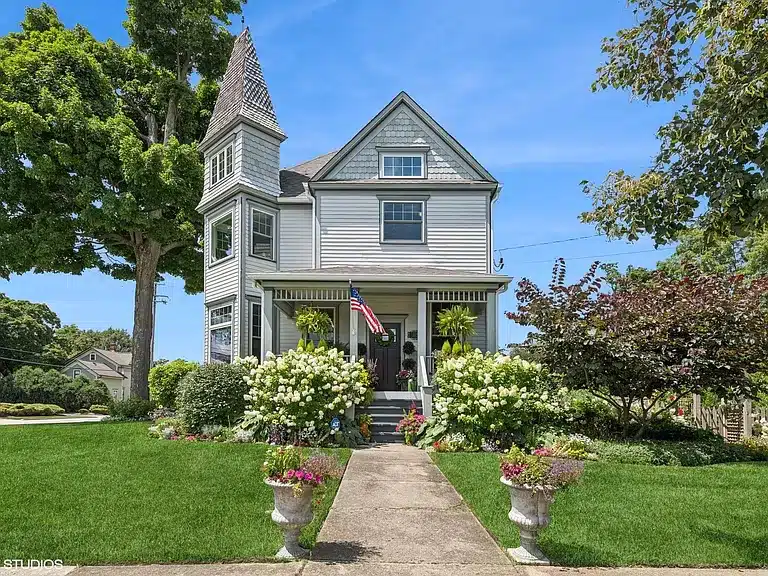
<point x="356" y="302"/>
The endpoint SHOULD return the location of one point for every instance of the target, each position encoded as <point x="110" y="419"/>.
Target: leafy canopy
<point x="647" y="343"/>
<point x="26" y="328"/>
<point x="712" y="55"/>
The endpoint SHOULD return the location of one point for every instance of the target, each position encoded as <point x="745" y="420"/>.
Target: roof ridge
<point x="311" y="160"/>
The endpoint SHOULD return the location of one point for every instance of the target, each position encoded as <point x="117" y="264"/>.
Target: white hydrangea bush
<point x="484" y="395"/>
<point x="302" y="391"/>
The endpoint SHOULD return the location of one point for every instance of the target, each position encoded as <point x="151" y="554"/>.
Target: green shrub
<point x="99" y="409"/>
<point x="491" y="396"/>
<point x="446" y="348"/>
<point x="164" y="381"/>
<point x="133" y="408"/>
<point x="20" y="409"/>
<point x="214" y="394"/>
<point x="757" y="447"/>
<point x="38" y="386"/>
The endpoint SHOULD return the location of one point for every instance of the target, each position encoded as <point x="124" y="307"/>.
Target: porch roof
<point x="400" y="274"/>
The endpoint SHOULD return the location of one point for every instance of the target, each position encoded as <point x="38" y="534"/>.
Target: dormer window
<point x="401" y="164"/>
<point x="221" y="165"/>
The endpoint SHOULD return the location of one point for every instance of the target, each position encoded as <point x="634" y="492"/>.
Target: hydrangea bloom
<point x="302" y="391"/>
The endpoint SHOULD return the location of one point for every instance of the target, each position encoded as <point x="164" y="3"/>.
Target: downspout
<point x="314" y="220"/>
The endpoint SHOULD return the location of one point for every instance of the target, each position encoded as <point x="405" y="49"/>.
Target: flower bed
<point x="302" y="392"/>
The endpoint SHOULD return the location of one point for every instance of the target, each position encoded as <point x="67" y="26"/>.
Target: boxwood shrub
<point x="37" y="386"/>
<point x="685" y="453"/>
<point x="133" y="408"/>
<point x="214" y="394"/>
<point x="7" y="409"/>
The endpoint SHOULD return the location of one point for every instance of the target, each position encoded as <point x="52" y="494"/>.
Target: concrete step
<point x="387" y="437"/>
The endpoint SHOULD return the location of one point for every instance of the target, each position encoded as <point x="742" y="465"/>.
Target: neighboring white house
<point x="113" y="368"/>
<point x="402" y="211"/>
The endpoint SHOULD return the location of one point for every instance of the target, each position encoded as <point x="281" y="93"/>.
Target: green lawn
<point x="107" y="493"/>
<point x="628" y="515"/>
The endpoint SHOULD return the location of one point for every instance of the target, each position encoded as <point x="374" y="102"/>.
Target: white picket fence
<point x="731" y="421"/>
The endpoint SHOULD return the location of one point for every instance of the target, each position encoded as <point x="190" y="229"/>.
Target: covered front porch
<point x="406" y="301"/>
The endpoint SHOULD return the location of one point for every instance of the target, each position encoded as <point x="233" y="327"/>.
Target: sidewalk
<point x="63" y="420"/>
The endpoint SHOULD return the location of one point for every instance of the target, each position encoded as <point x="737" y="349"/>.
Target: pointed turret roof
<point x="244" y="94"/>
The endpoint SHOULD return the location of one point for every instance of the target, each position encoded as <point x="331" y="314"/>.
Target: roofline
<point x="225" y="130"/>
<point x="82" y="366"/>
<point x="395" y="185"/>
<point x="262" y="277"/>
<point x="403" y="98"/>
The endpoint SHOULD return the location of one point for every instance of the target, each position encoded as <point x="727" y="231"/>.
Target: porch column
<point x="491" y="342"/>
<point x="353" y="338"/>
<point x="267" y="322"/>
<point x="422" y="327"/>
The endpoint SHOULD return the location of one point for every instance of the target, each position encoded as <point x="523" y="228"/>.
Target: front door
<point x="387" y="357"/>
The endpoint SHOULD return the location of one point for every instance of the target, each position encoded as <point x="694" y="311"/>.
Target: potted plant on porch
<point x="532" y="481"/>
<point x="293" y="477"/>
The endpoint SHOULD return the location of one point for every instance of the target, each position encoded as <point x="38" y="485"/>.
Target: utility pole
<point x="162" y="299"/>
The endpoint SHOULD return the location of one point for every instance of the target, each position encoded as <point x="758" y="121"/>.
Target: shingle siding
<point x="456" y="232"/>
<point x="260" y="161"/>
<point x="404" y="129"/>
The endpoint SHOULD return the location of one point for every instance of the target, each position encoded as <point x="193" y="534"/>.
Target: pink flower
<point x="543" y="451"/>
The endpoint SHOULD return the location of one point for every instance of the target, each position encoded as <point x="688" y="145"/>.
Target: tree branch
<point x="172" y="246"/>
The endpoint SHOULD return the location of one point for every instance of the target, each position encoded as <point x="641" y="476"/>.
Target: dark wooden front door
<point x="387" y="358"/>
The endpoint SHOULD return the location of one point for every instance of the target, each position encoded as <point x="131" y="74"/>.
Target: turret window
<point x="221" y="238"/>
<point x="221" y="334"/>
<point x="221" y="165"/>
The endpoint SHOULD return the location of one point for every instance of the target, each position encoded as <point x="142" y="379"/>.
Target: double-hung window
<point x="402" y="221"/>
<point x="221" y="334"/>
<point x="221" y="165"/>
<point x="256" y="329"/>
<point x="401" y="165"/>
<point x="262" y="234"/>
<point x="221" y="238"/>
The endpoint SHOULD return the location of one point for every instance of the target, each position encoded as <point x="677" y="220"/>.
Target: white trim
<point x="76" y="372"/>
<point x="212" y="244"/>
<point x="273" y="247"/>
<point x="251" y="303"/>
<point x="423" y="239"/>
<point x="403" y="154"/>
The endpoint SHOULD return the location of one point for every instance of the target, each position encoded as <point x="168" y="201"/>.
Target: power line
<point x="20" y="350"/>
<point x="595" y="256"/>
<point x="548" y="242"/>
<point x="30" y="362"/>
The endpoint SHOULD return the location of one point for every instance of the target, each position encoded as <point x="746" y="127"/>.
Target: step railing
<point x="425" y="385"/>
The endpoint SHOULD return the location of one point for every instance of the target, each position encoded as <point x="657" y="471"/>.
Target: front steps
<point x="386" y="414"/>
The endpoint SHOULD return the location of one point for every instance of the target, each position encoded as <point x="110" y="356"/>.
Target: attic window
<point x="221" y="165"/>
<point x="92" y="357"/>
<point x="401" y="165"/>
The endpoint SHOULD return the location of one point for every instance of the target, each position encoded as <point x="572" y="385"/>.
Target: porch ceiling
<point x="423" y="276"/>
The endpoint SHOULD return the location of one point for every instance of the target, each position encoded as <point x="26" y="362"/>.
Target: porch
<point x="406" y="301"/>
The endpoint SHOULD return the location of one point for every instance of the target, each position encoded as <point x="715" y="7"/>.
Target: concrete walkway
<point x="396" y="513"/>
<point x="63" y="420"/>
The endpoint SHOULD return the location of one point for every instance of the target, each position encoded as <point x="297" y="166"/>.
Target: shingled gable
<point x="403" y="99"/>
<point x="244" y="96"/>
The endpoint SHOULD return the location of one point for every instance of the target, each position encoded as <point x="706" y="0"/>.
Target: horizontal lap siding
<point x="456" y="232"/>
<point x="289" y="335"/>
<point x="479" y="340"/>
<point x="222" y="279"/>
<point x="295" y="237"/>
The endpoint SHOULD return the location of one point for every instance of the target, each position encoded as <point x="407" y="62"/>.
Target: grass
<point x="623" y="515"/>
<point x="109" y="494"/>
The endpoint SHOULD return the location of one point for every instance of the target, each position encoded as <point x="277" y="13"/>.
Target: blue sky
<point x="509" y="79"/>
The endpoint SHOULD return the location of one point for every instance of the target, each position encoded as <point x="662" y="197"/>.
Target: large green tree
<point x="70" y="340"/>
<point x="26" y="328"/>
<point x="713" y="56"/>
<point x="99" y="166"/>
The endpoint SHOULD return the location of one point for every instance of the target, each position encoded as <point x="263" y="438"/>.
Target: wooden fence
<point x="731" y="421"/>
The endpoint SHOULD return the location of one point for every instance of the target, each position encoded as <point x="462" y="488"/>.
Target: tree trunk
<point x="147" y="256"/>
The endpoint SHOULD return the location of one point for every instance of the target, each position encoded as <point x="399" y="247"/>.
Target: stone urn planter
<point x="530" y="511"/>
<point x="293" y="511"/>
